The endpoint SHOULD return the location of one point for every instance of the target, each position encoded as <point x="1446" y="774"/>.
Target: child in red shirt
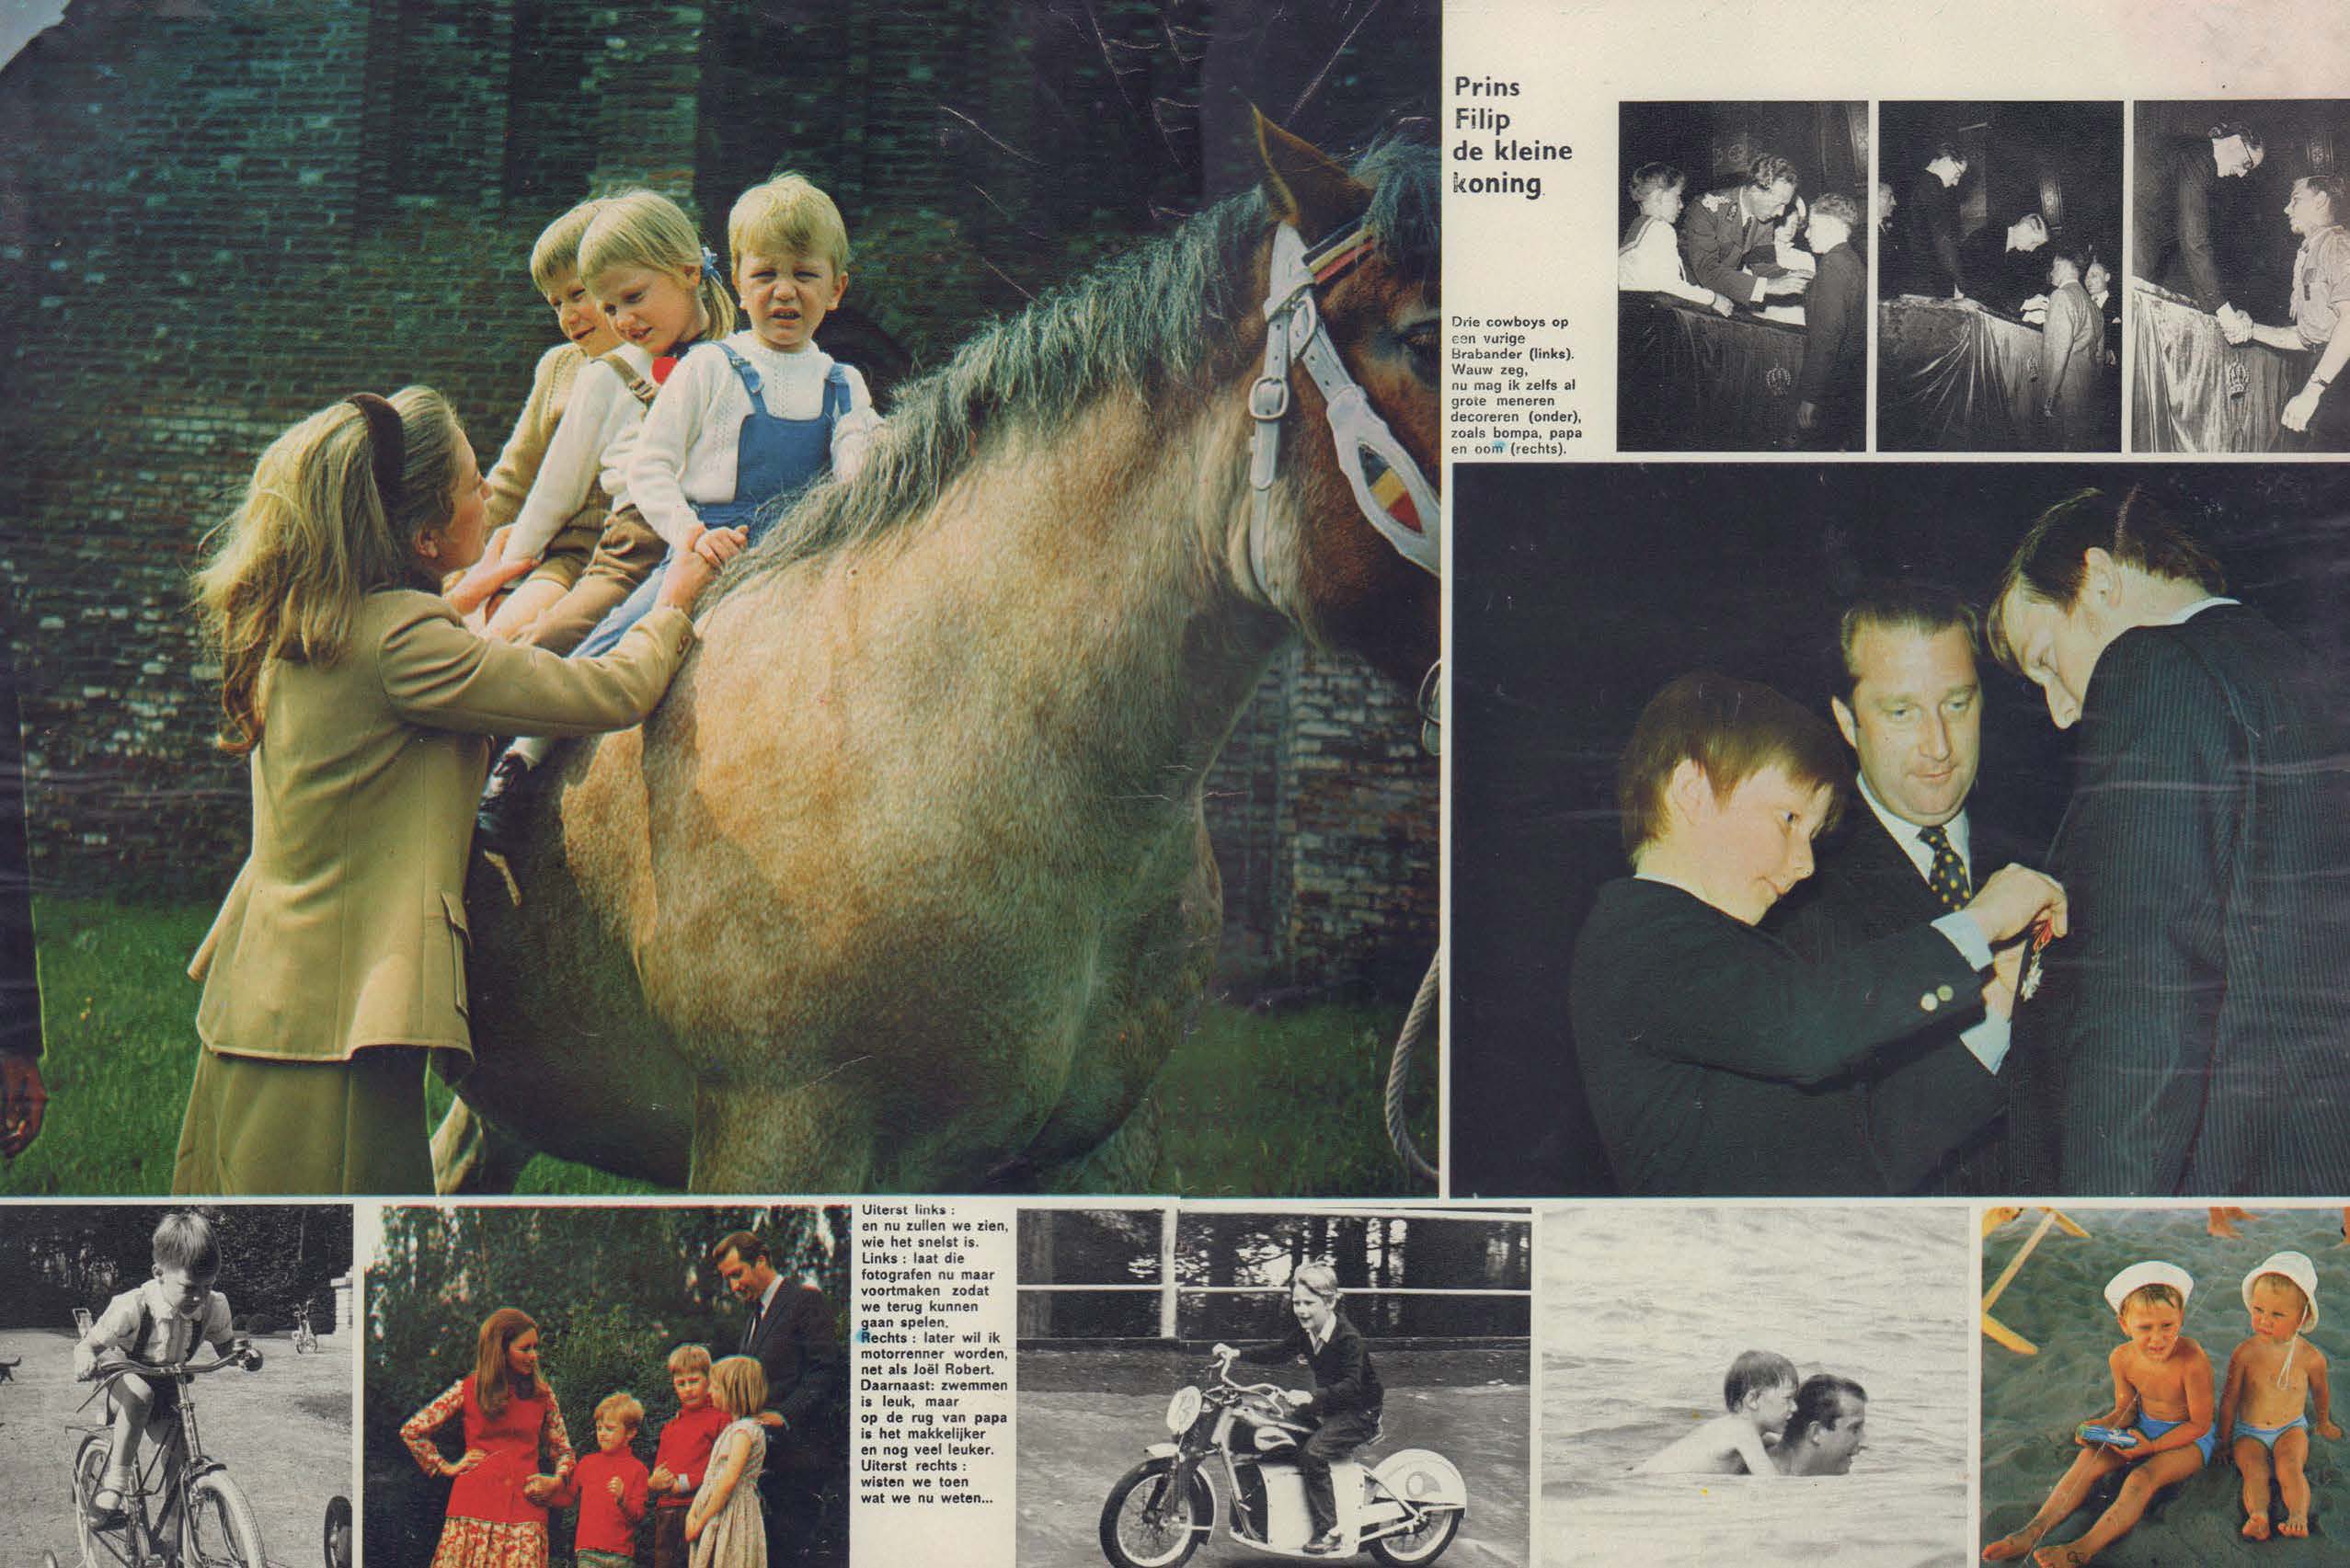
<point x="684" y="1452"/>
<point x="609" y="1488"/>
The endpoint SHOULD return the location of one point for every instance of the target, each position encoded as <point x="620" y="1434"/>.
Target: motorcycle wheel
<point x="1423" y="1545"/>
<point x="1129" y="1538"/>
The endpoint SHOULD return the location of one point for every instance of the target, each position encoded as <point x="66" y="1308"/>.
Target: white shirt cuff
<point x="1966" y="936"/>
<point x="1987" y="1040"/>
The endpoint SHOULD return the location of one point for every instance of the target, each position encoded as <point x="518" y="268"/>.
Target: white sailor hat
<point x="2296" y="1267"/>
<point x="2139" y="1274"/>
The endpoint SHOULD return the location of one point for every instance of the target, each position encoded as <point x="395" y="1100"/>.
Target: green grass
<point x="118" y="1015"/>
<point x="1288" y="1106"/>
<point x="1250" y="1106"/>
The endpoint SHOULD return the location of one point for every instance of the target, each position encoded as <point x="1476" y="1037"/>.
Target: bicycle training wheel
<point x="222" y="1531"/>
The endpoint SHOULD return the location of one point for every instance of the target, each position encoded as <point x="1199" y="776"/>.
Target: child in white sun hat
<point x="2158" y="1427"/>
<point x="2272" y="1378"/>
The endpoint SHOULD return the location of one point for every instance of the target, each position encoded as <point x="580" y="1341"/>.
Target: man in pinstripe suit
<point x="2193" y="1032"/>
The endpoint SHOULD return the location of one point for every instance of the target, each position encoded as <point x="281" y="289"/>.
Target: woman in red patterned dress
<point x="496" y="1515"/>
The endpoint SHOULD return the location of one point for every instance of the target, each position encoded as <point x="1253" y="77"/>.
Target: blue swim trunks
<point x="2267" y="1436"/>
<point x="2154" y="1428"/>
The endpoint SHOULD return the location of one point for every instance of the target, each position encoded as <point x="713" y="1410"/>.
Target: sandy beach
<point x="2031" y="1404"/>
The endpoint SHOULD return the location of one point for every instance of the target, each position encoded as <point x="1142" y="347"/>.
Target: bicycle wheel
<point x="221" y="1530"/>
<point x="89" y="1471"/>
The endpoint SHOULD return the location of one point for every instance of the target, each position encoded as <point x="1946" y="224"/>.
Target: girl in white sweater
<point x="762" y="413"/>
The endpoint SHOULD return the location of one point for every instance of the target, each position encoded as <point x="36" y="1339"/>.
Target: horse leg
<point x="474" y="1154"/>
<point x="1104" y="1137"/>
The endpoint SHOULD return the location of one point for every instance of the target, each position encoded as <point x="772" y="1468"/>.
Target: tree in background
<point x="274" y="1259"/>
<point x="612" y="1292"/>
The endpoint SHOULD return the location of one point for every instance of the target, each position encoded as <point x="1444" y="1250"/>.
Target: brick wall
<point x="240" y="210"/>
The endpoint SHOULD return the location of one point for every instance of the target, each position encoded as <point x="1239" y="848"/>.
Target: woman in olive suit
<point x="338" y="963"/>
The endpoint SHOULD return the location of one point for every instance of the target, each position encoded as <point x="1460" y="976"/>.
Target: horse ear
<point x="1304" y="187"/>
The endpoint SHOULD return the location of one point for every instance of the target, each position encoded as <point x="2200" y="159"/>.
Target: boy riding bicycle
<point x="159" y="1322"/>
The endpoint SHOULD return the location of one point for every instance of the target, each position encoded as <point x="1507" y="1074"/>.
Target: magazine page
<point x="1831" y="676"/>
<point x="983" y="785"/>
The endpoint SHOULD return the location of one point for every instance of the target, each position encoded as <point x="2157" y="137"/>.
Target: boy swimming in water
<point x="1760" y="1394"/>
<point x="2272" y="1378"/>
<point x="2163" y="1378"/>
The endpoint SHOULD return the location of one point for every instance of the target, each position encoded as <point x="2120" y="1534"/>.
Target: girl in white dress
<point x="725" y="1525"/>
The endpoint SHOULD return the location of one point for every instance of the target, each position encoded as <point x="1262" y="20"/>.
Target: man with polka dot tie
<point x="1908" y="699"/>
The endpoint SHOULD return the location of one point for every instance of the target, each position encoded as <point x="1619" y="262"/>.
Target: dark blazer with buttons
<point x="1926" y="1097"/>
<point x="2191" y="1034"/>
<point x="801" y="1353"/>
<point x="1343" y="1379"/>
<point x="1716" y="1060"/>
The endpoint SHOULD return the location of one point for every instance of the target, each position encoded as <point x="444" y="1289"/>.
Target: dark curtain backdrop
<point x="1579" y="592"/>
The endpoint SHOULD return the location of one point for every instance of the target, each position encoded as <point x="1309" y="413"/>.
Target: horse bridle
<point x="1394" y="496"/>
<point x="1390" y="490"/>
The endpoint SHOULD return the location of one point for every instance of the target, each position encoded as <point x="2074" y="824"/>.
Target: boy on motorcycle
<point x="1346" y="1398"/>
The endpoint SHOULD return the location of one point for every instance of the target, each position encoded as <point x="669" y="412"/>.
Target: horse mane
<point x="1163" y="319"/>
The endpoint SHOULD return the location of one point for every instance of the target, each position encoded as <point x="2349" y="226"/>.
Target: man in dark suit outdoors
<point x="2190" y="1035"/>
<point x="1908" y="701"/>
<point x="790" y="1330"/>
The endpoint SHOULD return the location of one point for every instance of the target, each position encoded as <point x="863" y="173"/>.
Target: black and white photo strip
<point x="1754" y="1383"/>
<point x="1970" y="829"/>
<point x="2240" y="276"/>
<point x="1742" y="276"/>
<point x="177" y="1385"/>
<point x="1327" y="1382"/>
<point x="1997" y="311"/>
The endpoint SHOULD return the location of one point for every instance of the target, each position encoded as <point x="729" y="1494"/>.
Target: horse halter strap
<point x="1393" y="495"/>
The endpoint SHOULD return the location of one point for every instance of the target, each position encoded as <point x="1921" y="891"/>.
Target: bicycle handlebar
<point x="123" y="1366"/>
<point x="1225" y="1376"/>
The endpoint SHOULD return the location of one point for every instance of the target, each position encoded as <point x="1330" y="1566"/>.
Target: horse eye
<point x="1422" y="342"/>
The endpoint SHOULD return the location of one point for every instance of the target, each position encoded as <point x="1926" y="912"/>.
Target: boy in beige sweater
<point x="545" y="496"/>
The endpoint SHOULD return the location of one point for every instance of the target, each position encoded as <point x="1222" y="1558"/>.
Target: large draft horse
<point x="906" y="885"/>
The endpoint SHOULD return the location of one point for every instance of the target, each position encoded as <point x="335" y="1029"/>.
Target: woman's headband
<point x="389" y="440"/>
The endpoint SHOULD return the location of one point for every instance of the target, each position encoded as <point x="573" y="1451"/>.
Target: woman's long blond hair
<point x="644" y="228"/>
<point x="284" y="576"/>
<point x="494" y="1381"/>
